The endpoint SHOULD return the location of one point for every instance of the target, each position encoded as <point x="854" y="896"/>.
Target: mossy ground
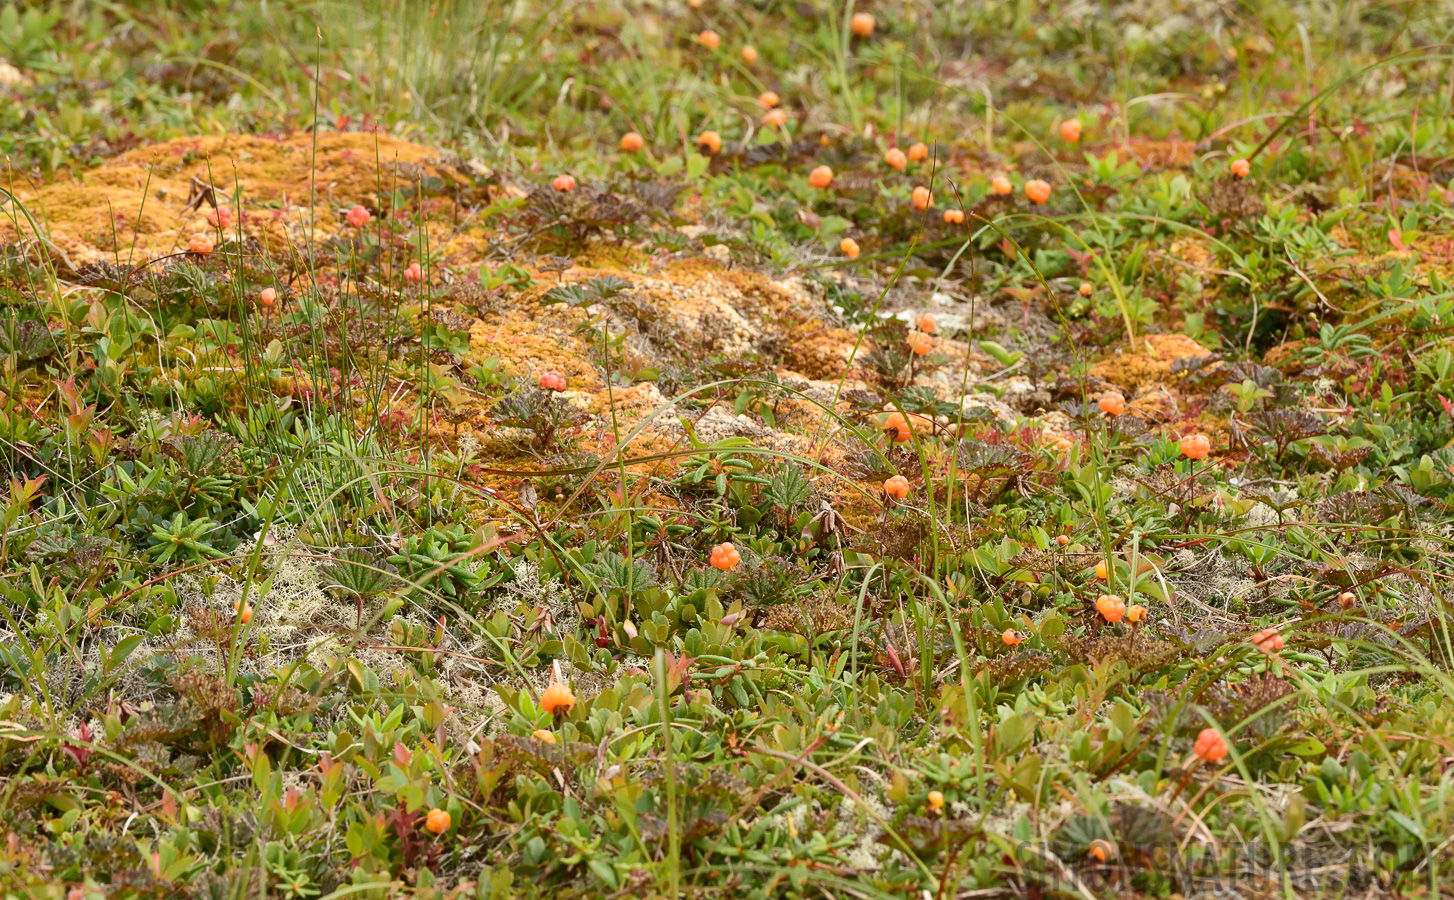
<point x="281" y="578"/>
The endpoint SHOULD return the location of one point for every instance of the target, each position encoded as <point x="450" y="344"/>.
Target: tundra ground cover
<point x="701" y="450"/>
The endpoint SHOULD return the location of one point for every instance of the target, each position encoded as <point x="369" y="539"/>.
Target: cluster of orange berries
<point x="437" y="821"/>
<point x="1196" y="446"/>
<point x="897" y="427"/>
<point x="552" y="381"/>
<point x="919" y="340"/>
<point x="899" y="160"/>
<point x="897" y="487"/>
<point x="725" y="557"/>
<point x="1112" y="403"/>
<point x="1268" y="641"/>
<point x="774" y="117"/>
<point x="219" y="218"/>
<point x="1210" y="745"/>
<point x="1113" y="609"/>
<point x="556" y="700"/>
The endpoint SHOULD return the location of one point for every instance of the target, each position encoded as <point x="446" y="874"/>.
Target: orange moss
<point x="1152" y="154"/>
<point x="531" y="339"/>
<point x="144" y="191"/>
<point x="1150" y="364"/>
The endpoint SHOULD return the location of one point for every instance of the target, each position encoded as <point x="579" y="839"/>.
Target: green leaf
<point x="1309" y="746"/>
<point x="1003" y="356"/>
<point x="789" y="487"/>
<point x="122" y="650"/>
<point x="1407" y="824"/>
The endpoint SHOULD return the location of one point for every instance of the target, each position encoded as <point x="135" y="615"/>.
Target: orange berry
<point x="1347" y="599"/>
<point x="936" y="800"/>
<point x="1136" y="614"/>
<point x="1101" y="849"/>
<point x="1011" y="637"/>
<point x="1111" y="607"/>
<point x="1086" y="289"/>
<point x="919" y="152"/>
<point x="954" y="217"/>
<point x="1241" y="168"/>
<point x="927" y="324"/>
<point x="267" y="296"/>
<point x="725" y="557"/>
<point x="922" y="197"/>
<point x="920" y="343"/>
<point x="1001" y="185"/>
<point x="540" y="734"/>
<point x="552" y="381"/>
<point x="631" y="142"/>
<point x="1268" y="641"/>
<point x="1070" y="130"/>
<point x="862" y="24"/>
<point x="221" y="217"/>
<point x="413" y="273"/>
<point x="1062" y="540"/>
<point x="563" y="183"/>
<point x="1038" y="190"/>
<point x="200" y="243"/>
<point x="1112" y="403"/>
<point x="244" y="613"/>
<point x="895" y="159"/>
<point x="749" y="54"/>
<point x="437" y="822"/>
<point x="358" y="217"/>
<point x="769" y="99"/>
<point x="775" y="118"/>
<point x="557" y="698"/>
<point x="897" y="487"/>
<point x="820" y="177"/>
<point x="1196" y="446"/>
<point x="849" y="247"/>
<point x="710" y="39"/>
<point x="709" y="141"/>
<point x="1101" y="571"/>
<point x="898" y="427"/>
<point x="1210" y="746"/>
